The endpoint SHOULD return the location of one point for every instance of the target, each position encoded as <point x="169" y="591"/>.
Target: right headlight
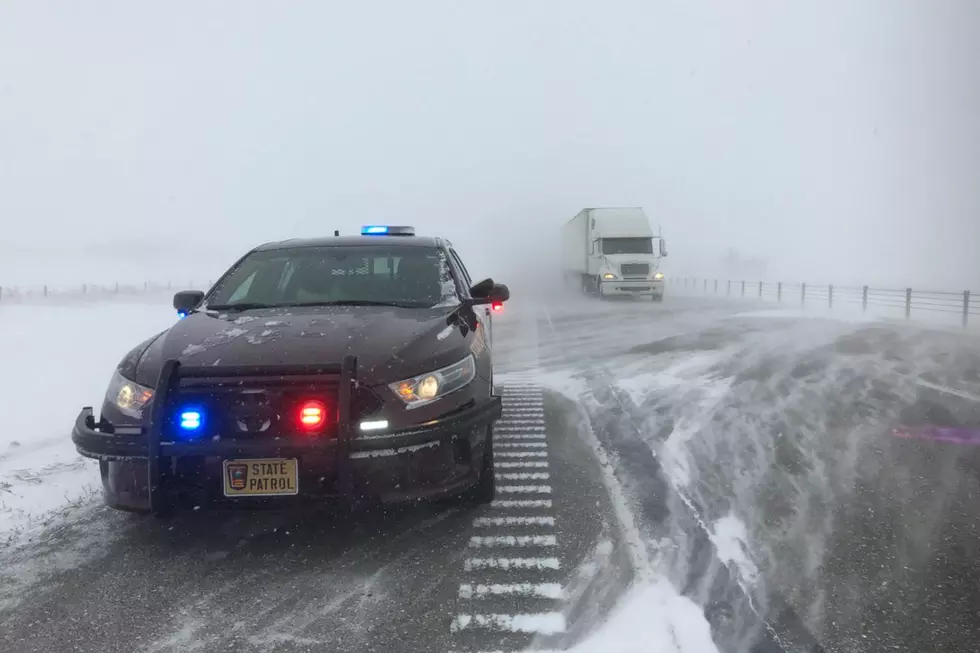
<point x="129" y="397"/>
<point x="426" y="388"/>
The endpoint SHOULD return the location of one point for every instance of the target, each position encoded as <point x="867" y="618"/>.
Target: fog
<point x="837" y="141"/>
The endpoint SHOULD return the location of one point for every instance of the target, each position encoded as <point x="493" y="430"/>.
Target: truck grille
<point x="635" y="269"/>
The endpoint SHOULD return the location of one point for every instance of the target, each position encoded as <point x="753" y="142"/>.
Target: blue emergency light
<point x="191" y="419"/>
<point x="386" y="230"/>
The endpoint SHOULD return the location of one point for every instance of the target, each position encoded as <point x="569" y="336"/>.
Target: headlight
<point x="426" y="388"/>
<point x="130" y="398"/>
<point x="659" y="276"/>
<point x="608" y="275"/>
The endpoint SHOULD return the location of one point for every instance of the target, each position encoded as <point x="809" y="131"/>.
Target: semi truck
<point x="614" y="251"/>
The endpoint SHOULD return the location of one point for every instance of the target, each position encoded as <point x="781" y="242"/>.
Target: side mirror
<point x="488" y="292"/>
<point x="663" y="248"/>
<point x="187" y="300"/>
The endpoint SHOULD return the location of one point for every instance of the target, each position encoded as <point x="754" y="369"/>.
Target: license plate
<point x="261" y="477"/>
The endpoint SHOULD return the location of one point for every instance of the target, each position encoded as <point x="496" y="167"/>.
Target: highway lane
<point x="853" y="540"/>
<point x="851" y="537"/>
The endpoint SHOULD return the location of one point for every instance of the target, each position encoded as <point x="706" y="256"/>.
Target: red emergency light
<point x="312" y="415"/>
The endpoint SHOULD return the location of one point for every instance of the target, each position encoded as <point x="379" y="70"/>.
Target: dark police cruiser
<point x="345" y="369"/>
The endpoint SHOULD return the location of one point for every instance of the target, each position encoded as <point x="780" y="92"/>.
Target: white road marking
<point x="514" y="521"/>
<point x="520" y="454"/>
<point x="503" y="421"/>
<point x="524" y="425"/>
<point x="545" y="623"/>
<point x="524" y="476"/>
<point x="523" y="445"/>
<point x="524" y="489"/>
<point x="947" y="390"/>
<point x="506" y="564"/>
<point x="521" y="503"/>
<point x="523" y="464"/>
<point x="489" y="541"/>
<point x="520" y="436"/>
<point x="468" y="591"/>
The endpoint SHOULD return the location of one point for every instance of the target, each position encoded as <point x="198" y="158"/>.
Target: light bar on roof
<point x="386" y="230"/>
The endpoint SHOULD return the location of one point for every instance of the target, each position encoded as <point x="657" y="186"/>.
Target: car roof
<point x="353" y="241"/>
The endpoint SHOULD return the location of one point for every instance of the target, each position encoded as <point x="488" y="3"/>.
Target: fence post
<point x="117" y="287"/>
<point x="779" y="291"/>
<point x="803" y="295"/>
<point x="84" y="288"/>
<point x="908" y="303"/>
<point x="743" y="289"/>
<point x="705" y="289"/>
<point x="830" y="296"/>
<point x="729" y="287"/>
<point x="966" y="308"/>
<point x="864" y="300"/>
<point x="760" y="289"/>
<point x="716" y="286"/>
<point x="45" y="291"/>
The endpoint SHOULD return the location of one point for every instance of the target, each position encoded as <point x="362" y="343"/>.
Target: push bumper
<point x="142" y="471"/>
<point x="621" y="287"/>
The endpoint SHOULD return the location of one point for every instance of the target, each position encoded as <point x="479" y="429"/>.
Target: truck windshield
<point x="627" y="246"/>
<point x="372" y="274"/>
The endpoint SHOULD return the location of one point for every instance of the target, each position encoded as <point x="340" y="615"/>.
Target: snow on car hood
<point x="390" y="343"/>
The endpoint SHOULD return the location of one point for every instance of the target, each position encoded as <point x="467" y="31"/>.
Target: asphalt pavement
<point x="861" y="541"/>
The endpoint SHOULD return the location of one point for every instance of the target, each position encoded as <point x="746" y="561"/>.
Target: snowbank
<point x="55" y="359"/>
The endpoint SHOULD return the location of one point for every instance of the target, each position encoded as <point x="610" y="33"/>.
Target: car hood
<point x="390" y="343"/>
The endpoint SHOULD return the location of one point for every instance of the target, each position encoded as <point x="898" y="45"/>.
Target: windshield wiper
<point x="240" y="306"/>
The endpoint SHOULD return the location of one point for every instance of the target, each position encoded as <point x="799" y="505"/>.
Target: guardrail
<point x="91" y="291"/>
<point x="908" y="300"/>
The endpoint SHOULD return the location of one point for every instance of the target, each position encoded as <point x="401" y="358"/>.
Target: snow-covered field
<point x="56" y="358"/>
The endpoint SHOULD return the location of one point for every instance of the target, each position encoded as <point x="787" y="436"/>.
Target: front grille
<point x="635" y="269"/>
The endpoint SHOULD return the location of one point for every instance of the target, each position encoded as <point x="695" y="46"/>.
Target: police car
<point x="343" y="369"/>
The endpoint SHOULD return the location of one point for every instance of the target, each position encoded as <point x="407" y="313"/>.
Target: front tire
<point x="486" y="488"/>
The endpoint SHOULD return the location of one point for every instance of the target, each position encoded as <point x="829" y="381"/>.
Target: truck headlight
<point x="426" y="388"/>
<point x="658" y="276"/>
<point x="608" y="275"/>
<point x="129" y="397"/>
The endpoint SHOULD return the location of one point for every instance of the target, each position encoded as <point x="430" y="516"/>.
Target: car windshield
<point x="383" y="274"/>
<point x="627" y="246"/>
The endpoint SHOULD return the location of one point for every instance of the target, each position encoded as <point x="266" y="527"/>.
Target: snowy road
<point x="653" y="460"/>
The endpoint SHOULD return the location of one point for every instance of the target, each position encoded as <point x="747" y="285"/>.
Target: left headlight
<point x="129" y="397"/>
<point x="426" y="388"/>
<point x="658" y="276"/>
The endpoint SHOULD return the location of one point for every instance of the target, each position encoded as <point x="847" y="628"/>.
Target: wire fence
<point x="92" y="291"/>
<point x="903" y="301"/>
<point x="908" y="301"/>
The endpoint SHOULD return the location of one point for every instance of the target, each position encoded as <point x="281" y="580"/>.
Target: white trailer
<point x="614" y="251"/>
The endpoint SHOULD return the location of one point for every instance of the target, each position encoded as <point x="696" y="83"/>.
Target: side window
<point x="462" y="270"/>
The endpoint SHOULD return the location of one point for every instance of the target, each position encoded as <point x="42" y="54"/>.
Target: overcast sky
<point x="838" y="139"/>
